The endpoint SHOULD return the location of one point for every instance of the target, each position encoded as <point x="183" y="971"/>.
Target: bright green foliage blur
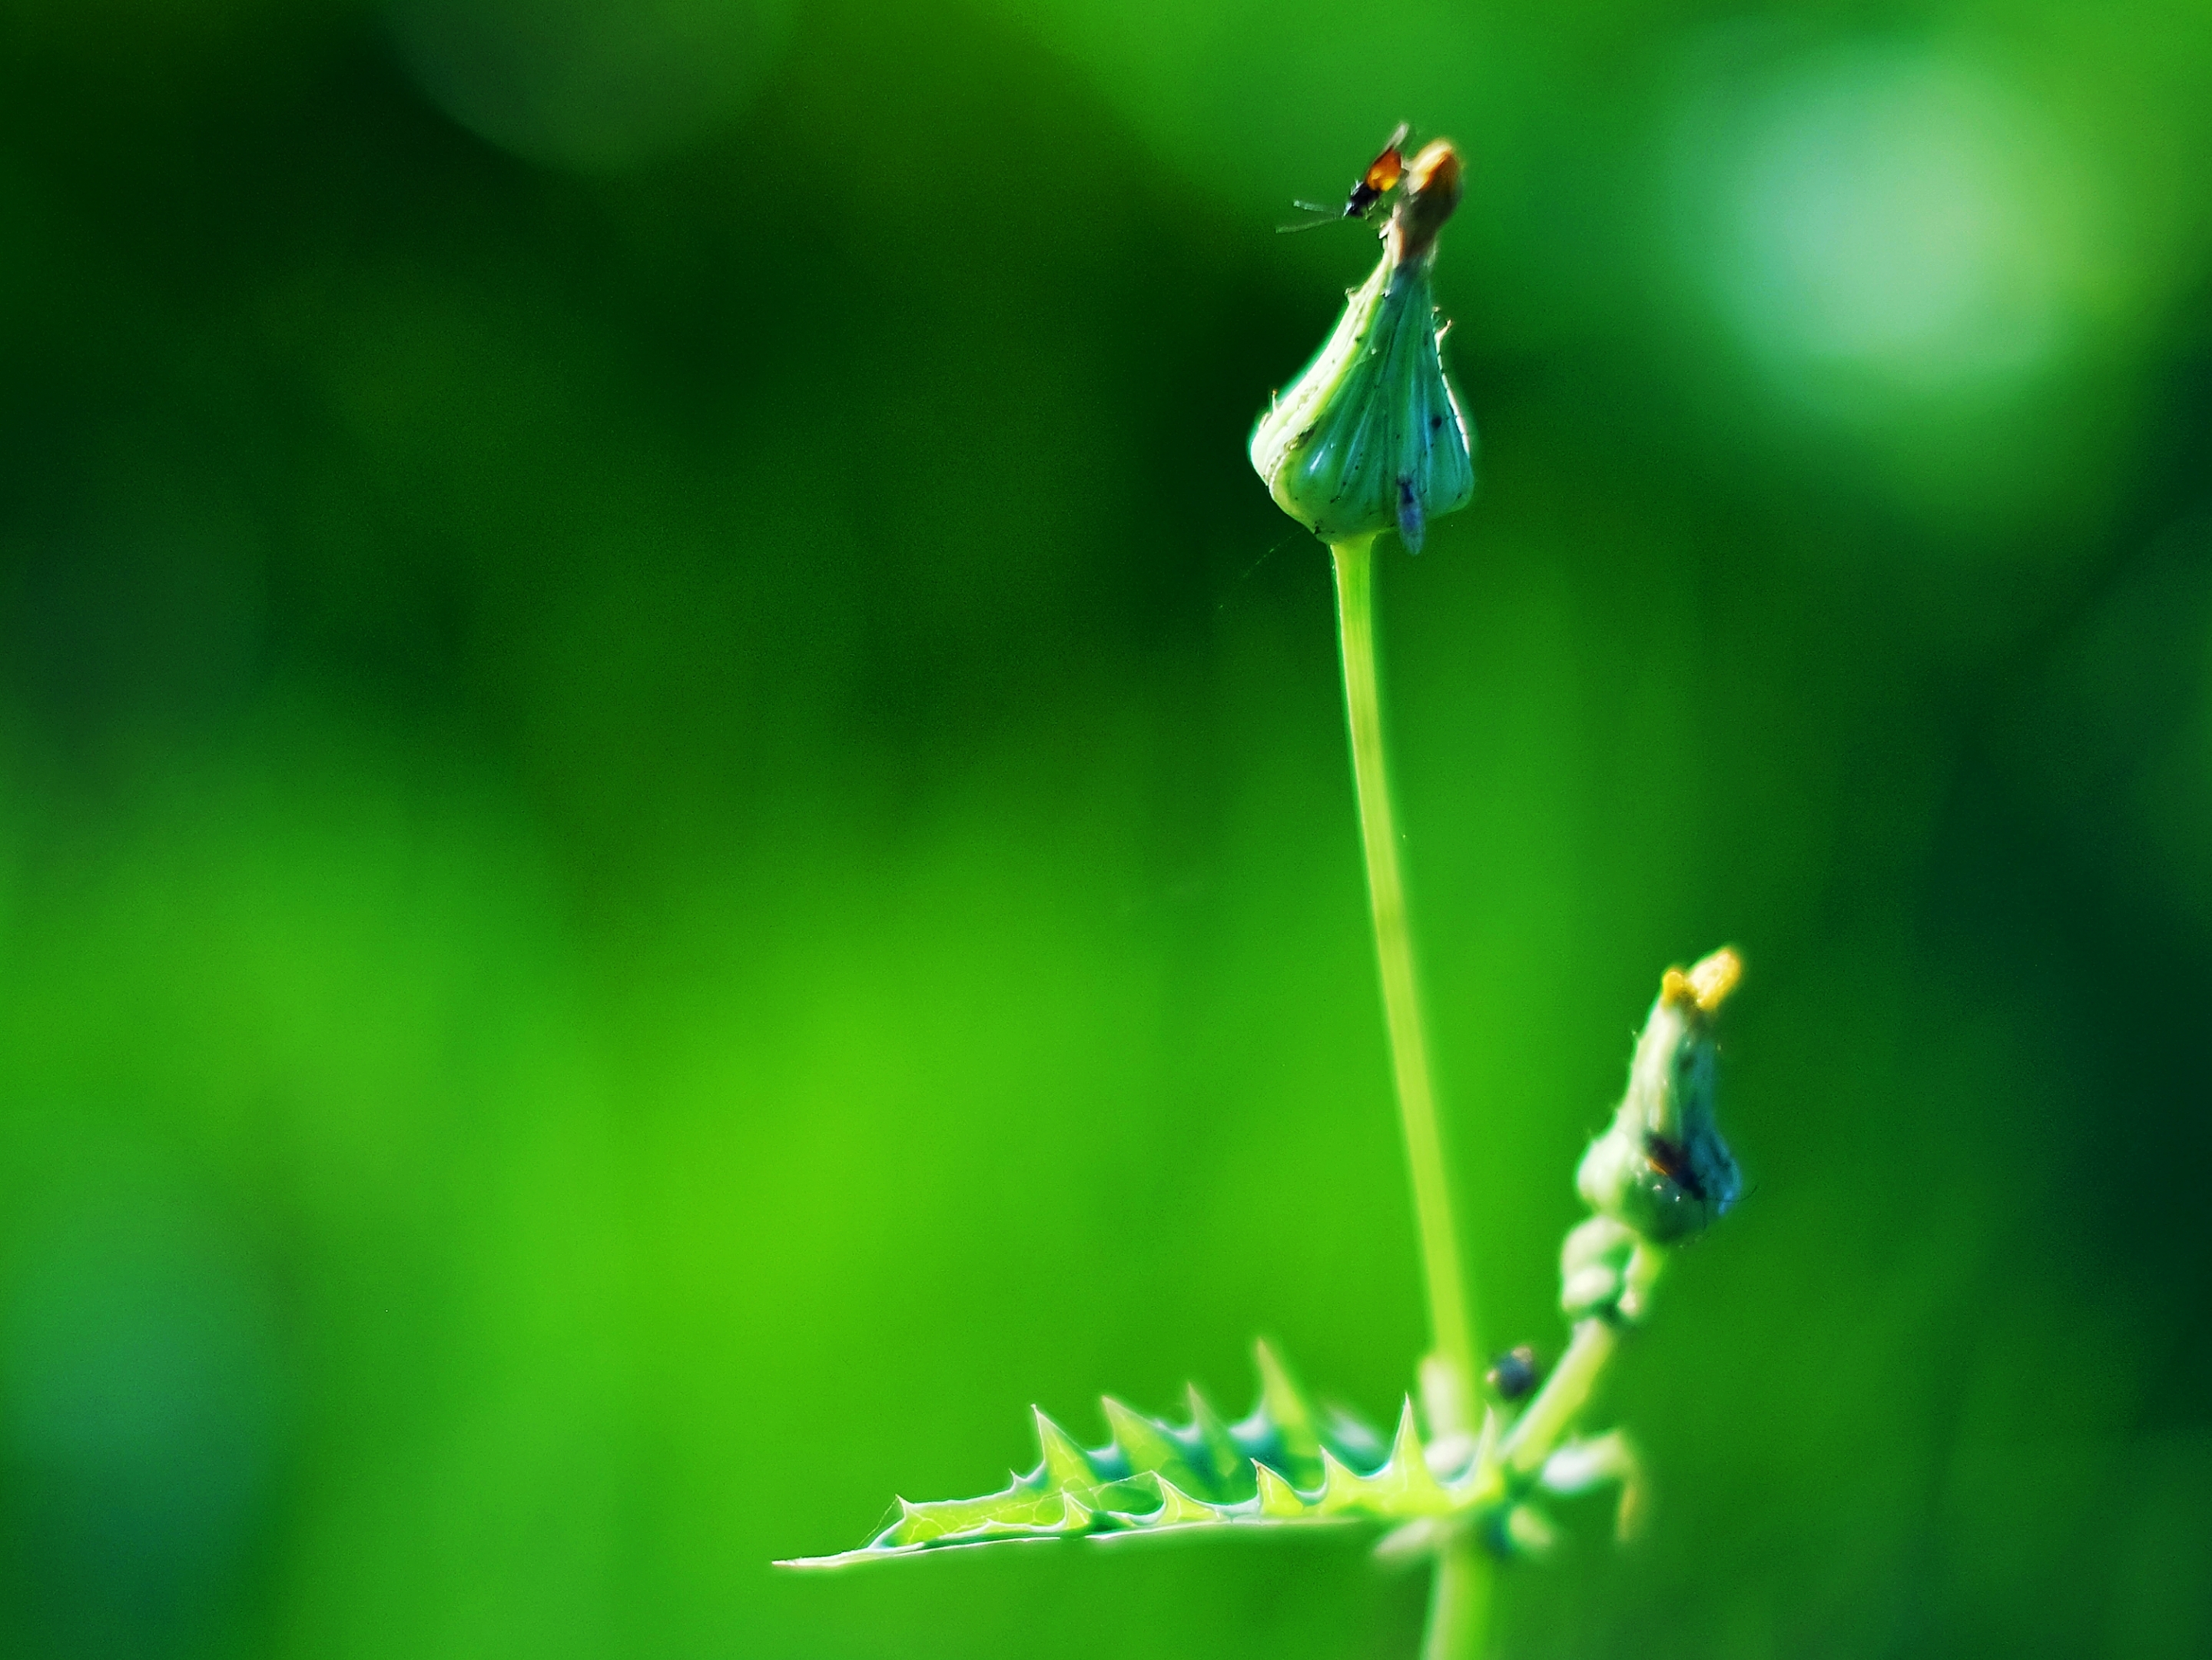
<point x="674" y="826"/>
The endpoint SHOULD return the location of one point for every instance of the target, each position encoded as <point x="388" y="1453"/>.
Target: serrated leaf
<point x="1284" y="1465"/>
<point x="1284" y="1421"/>
<point x="1279" y="1501"/>
<point x="1066" y="1468"/>
<point x="1221" y="1461"/>
<point x="1150" y="1446"/>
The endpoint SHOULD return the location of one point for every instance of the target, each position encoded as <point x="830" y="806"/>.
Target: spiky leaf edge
<point x="1284" y="1465"/>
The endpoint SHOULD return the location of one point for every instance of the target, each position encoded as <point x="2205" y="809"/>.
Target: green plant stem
<point x="1450" y="1329"/>
<point x="1536" y="1433"/>
<point x="1459" y="1602"/>
<point x="1459" y="1594"/>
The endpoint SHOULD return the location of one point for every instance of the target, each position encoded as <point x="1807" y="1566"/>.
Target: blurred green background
<point x="674" y="826"/>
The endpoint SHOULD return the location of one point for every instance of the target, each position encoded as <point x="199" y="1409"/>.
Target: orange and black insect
<point x="1380" y="178"/>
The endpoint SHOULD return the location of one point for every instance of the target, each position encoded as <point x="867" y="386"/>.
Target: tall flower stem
<point x="1450" y="1330"/>
<point x="1459" y="1598"/>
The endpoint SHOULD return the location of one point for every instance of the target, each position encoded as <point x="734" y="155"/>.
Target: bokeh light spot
<point x="1888" y="228"/>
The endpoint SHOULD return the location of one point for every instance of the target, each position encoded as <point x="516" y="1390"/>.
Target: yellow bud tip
<point x="1434" y="180"/>
<point x="1707" y="984"/>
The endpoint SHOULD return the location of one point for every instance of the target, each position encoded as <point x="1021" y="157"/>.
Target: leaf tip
<point x="1066" y="1466"/>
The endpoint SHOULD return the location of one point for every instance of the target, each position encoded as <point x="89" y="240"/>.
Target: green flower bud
<point x="1663" y="1169"/>
<point x="1372" y="436"/>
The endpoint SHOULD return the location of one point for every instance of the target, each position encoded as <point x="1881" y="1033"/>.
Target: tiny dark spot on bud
<point x="1411" y="519"/>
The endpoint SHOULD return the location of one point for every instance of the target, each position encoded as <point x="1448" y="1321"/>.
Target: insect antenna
<point x="1318" y="214"/>
<point x="1381" y="177"/>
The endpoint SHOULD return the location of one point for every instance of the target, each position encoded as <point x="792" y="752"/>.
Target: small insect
<point x="1672" y="1162"/>
<point x="1380" y="178"/>
<point x="1515" y="1373"/>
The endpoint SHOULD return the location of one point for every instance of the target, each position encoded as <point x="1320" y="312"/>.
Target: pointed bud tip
<point x="1706" y="985"/>
<point x="1434" y="182"/>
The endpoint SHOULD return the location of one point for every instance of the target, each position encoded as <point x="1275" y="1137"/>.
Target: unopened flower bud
<point x="1371" y="437"/>
<point x="1663" y="1169"/>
